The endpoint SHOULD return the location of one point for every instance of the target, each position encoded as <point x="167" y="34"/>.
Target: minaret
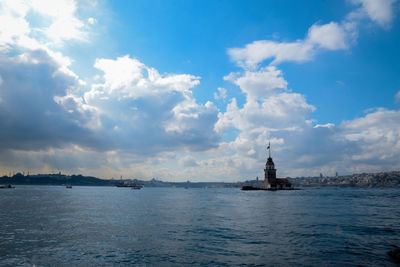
<point x="270" y="171"/>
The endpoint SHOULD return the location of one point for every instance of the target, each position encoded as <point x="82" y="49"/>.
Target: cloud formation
<point x="29" y="116"/>
<point x="397" y="97"/>
<point x="55" y="22"/>
<point x="132" y="111"/>
<point x="136" y="121"/>
<point x="330" y="36"/>
<point x="259" y="84"/>
<point x="272" y="112"/>
<point x="147" y="112"/>
<point x="380" y="11"/>
<point x="221" y="94"/>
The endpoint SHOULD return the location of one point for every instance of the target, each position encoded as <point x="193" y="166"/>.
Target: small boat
<point x="6" y="186"/>
<point x="250" y="188"/>
<point x="137" y="186"/>
<point x="69" y="186"/>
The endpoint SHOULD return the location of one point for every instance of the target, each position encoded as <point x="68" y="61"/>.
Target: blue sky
<point x="182" y="90"/>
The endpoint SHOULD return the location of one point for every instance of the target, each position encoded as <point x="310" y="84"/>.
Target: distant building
<point x="270" y="180"/>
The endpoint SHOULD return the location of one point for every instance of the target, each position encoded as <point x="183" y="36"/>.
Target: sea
<point x="110" y="226"/>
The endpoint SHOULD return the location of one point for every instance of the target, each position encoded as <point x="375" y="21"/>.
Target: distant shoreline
<point x="381" y="179"/>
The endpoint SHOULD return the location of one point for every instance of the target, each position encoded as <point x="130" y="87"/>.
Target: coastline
<point x="364" y="180"/>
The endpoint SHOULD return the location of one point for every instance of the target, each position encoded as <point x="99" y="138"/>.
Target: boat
<point x="248" y="188"/>
<point x="123" y="185"/>
<point x="6" y="186"/>
<point x="68" y="186"/>
<point x="132" y="185"/>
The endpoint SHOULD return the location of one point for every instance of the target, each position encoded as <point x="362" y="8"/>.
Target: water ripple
<point x="88" y="226"/>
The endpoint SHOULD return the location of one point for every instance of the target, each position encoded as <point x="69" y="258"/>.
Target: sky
<point x="195" y="90"/>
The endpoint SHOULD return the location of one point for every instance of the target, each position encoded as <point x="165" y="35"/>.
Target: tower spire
<point x="269" y="150"/>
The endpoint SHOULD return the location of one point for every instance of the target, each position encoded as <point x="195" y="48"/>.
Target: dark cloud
<point x="41" y="110"/>
<point x="30" y="119"/>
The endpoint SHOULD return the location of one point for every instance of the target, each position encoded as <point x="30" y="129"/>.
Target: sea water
<point x="86" y="226"/>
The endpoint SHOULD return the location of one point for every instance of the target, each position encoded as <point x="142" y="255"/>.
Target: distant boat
<point x="125" y="184"/>
<point x="249" y="188"/>
<point x="137" y="186"/>
<point x="129" y="184"/>
<point x="6" y="186"/>
<point x="69" y="186"/>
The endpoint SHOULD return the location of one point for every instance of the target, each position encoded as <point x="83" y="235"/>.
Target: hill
<point x="381" y="179"/>
<point x="55" y="179"/>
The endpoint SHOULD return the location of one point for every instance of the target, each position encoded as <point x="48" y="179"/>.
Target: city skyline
<point x="195" y="90"/>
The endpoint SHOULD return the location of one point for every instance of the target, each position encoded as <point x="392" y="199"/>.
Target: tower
<point x="270" y="171"/>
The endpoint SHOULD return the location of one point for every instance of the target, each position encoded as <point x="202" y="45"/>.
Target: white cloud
<point x="55" y="22"/>
<point x="12" y="23"/>
<point x="281" y="111"/>
<point x="188" y="161"/>
<point x="341" y="83"/>
<point x="92" y="21"/>
<point x="131" y="112"/>
<point x="258" y="51"/>
<point x="120" y="73"/>
<point x="131" y="78"/>
<point x="190" y="115"/>
<point x="271" y="112"/>
<point x="66" y="29"/>
<point x="140" y="119"/>
<point x="221" y="94"/>
<point x="148" y="112"/>
<point x="330" y="36"/>
<point x="36" y="78"/>
<point x="397" y="97"/>
<point x="380" y="11"/>
<point x="378" y="137"/>
<point x="65" y="25"/>
<point x="63" y="8"/>
<point x="143" y="117"/>
<point x="327" y="125"/>
<point x="370" y="143"/>
<point x="259" y="84"/>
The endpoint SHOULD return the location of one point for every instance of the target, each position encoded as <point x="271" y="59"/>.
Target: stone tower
<point x="270" y="172"/>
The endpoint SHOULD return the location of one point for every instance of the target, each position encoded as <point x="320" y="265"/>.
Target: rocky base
<point x="252" y="188"/>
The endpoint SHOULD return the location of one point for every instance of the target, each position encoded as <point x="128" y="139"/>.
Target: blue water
<point x="51" y="225"/>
